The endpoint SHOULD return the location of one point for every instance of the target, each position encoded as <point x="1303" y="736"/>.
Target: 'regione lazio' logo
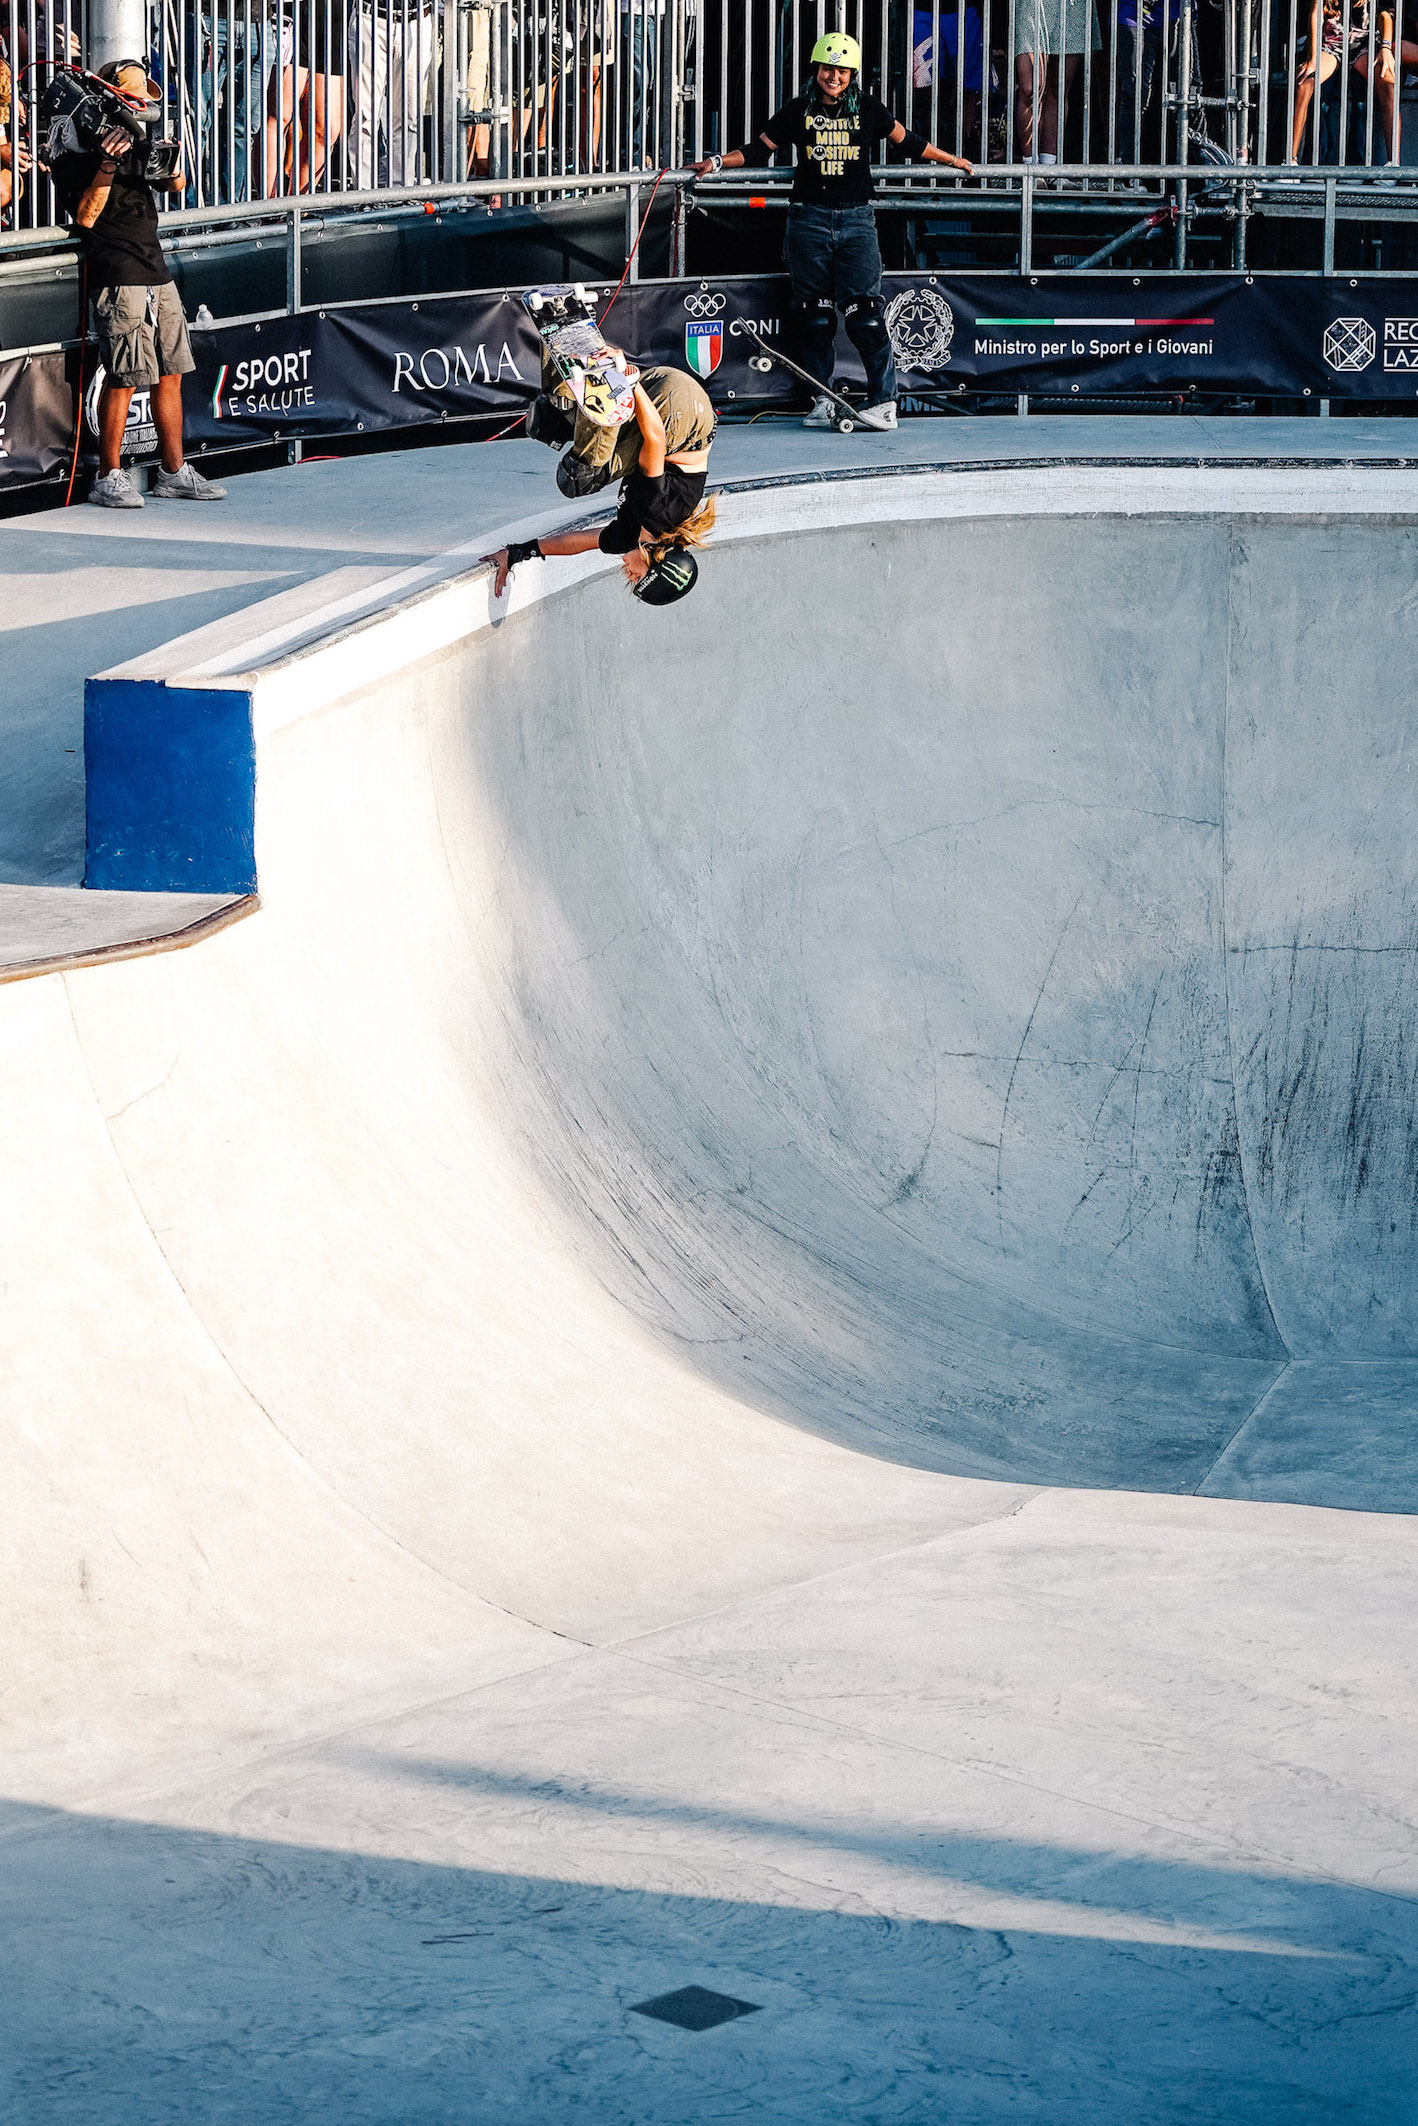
<point x="1350" y="343"/>
<point x="921" y="326"/>
<point x="704" y="347"/>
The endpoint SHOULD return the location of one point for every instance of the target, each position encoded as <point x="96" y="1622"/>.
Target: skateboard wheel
<point x="760" y="362"/>
<point x="536" y="302"/>
<point x="844" y="428"/>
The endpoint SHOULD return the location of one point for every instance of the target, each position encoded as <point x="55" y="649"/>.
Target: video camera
<point x="78" y="110"/>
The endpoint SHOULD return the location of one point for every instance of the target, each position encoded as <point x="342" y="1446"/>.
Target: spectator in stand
<point x="395" y="43"/>
<point x="142" y="332"/>
<point x="305" y="106"/>
<point x="1049" y="37"/>
<point x="641" y="22"/>
<point x="1332" y="40"/>
<point x="14" y="155"/>
<point x="1387" y="101"/>
<point x="478" y="90"/>
<point x="936" y="67"/>
<point x="1137" y="66"/>
<point x="225" y="70"/>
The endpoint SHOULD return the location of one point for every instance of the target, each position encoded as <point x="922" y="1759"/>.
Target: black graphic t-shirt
<point x="834" y="152"/>
<point x="122" y="248"/>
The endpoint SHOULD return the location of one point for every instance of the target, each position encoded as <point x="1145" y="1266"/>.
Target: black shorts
<point x="316" y="36"/>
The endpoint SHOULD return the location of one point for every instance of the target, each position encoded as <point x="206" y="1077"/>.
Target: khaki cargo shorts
<point x="143" y="335"/>
<point x="682" y="404"/>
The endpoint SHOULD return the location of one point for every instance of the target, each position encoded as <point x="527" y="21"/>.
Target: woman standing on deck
<point x="831" y="250"/>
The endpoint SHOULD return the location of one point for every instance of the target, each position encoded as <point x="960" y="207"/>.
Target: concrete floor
<point x="483" y="1415"/>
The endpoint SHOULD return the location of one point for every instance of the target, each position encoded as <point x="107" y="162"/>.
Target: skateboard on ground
<point x="565" y="319"/>
<point x="848" y="416"/>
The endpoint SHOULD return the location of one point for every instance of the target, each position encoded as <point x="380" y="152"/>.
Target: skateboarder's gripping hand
<point x="509" y="557"/>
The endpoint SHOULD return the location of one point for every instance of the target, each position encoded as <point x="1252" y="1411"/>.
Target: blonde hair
<point x="4" y="92"/>
<point x="693" y="532"/>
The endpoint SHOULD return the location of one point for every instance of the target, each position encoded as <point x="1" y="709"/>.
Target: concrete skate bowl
<point x="948" y="986"/>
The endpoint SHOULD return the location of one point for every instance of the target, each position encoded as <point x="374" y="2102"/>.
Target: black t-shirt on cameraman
<point x="122" y="248"/>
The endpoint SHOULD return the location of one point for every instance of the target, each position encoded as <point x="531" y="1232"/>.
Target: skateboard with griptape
<point x="565" y="321"/>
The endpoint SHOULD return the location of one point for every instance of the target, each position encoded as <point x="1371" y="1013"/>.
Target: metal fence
<point x="307" y="98"/>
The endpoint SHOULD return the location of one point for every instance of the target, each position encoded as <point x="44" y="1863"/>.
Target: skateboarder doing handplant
<point x="661" y="459"/>
<point x="831" y="251"/>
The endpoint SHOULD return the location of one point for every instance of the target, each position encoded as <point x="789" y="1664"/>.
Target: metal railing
<point x="277" y="99"/>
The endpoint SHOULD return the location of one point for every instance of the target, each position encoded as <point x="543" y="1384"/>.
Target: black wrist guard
<point x="915" y="145"/>
<point x="524" y="550"/>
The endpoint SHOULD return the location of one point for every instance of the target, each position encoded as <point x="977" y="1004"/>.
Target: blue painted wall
<point x="171" y="788"/>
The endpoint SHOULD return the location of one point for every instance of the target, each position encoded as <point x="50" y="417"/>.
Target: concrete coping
<point x="171" y="738"/>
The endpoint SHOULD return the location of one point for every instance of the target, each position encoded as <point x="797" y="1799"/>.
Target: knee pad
<point x="548" y="422"/>
<point x="866" y="325"/>
<point x="576" y="478"/>
<point x="812" y="321"/>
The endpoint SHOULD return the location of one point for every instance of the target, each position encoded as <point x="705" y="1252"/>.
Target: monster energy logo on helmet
<point x="671" y="577"/>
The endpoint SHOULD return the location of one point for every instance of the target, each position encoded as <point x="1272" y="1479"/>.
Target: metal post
<point x="681" y="227"/>
<point x="293" y="275"/>
<point x="632" y="229"/>
<point x="1330" y="185"/>
<point x="118" y="29"/>
<point x="1026" y="222"/>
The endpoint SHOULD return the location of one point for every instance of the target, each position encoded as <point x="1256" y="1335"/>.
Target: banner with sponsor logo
<point x="341" y="372"/>
<point x="1071" y="335"/>
<point x="395" y="365"/>
<point x="36" y="417"/>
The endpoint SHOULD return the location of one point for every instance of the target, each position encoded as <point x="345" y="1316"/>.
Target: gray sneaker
<point x="185" y="485"/>
<point x="824" y="414"/>
<point x="881" y="417"/>
<point x="116" y="490"/>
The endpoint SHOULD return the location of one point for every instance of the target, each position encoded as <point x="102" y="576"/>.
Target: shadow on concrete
<point x="168" y="1975"/>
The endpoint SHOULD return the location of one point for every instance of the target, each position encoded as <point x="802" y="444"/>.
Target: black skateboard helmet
<point x="669" y="579"/>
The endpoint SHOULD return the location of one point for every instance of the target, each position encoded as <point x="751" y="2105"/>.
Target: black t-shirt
<point x="834" y="152"/>
<point x="652" y="505"/>
<point x="122" y="248"/>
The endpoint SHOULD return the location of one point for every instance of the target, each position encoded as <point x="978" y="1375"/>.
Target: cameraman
<point x="141" y="329"/>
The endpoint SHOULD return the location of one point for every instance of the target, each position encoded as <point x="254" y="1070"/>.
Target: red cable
<point x="644" y="220"/>
<point x="79" y="392"/>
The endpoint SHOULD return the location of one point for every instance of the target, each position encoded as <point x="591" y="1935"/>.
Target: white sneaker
<point x="824" y="414"/>
<point x="116" y="490"/>
<point x="185" y="485"/>
<point x="882" y="417"/>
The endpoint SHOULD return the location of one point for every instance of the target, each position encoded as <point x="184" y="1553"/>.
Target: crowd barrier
<point x="378" y="367"/>
<point x="319" y="98"/>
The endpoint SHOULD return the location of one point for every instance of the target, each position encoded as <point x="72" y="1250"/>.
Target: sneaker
<point x="185" y="485"/>
<point x="116" y="490"/>
<point x="881" y="417"/>
<point x="823" y="415"/>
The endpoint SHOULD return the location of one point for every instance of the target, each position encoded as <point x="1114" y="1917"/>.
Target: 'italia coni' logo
<point x="704" y="346"/>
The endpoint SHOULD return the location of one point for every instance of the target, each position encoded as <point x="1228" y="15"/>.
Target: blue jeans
<point x="220" y="55"/>
<point x="639" y="69"/>
<point x="833" y="251"/>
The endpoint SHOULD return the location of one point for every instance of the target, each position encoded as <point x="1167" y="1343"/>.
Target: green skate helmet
<point x="837" y="49"/>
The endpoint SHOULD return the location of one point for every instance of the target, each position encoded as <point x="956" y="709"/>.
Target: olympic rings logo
<point x="707" y="303"/>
